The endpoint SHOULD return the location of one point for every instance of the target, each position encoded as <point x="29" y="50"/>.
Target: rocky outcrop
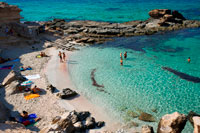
<point x="67" y="93"/>
<point x="4" y="113"/>
<point x="172" y="123"/>
<point x="12" y="76"/>
<point x="90" y="32"/>
<point x="147" y="129"/>
<point x="190" y="116"/>
<point x="9" y="13"/>
<point x="196" y="120"/>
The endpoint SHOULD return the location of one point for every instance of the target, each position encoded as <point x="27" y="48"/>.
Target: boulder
<point x="12" y="88"/>
<point x="196" y="120"/>
<point x="79" y="126"/>
<point x="11" y="77"/>
<point x="146" y="117"/>
<point x="147" y="129"/>
<point x="90" y="123"/>
<point x="66" y="93"/>
<point x="178" y="15"/>
<point x="172" y="123"/>
<point x="83" y="115"/>
<point x="190" y="116"/>
<point x="73" y="116"/>
<point x="158" y="13"/>
<point x="4" y="113"/>
<point x="100" y="124"/>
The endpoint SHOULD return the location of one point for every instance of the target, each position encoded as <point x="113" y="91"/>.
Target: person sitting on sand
<point x="64" y="56"/>
<point x="125" y="55"/>
<point x="27" y="119"/>
<point x="121" y="61"/>
<point x="35" y="89"/>
<point x="188" y="60"/>
<point x="60" y="55"/>
<point x="42" y="54"/>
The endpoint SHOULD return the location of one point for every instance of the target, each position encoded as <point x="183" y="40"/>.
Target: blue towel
<point x="30" y="117"/>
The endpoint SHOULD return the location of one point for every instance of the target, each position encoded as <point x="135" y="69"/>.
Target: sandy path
<point x="58" y="75"/>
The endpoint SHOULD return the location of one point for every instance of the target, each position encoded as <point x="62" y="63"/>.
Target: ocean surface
<point x="102" y="10"/>
<point x="142" y="84"/>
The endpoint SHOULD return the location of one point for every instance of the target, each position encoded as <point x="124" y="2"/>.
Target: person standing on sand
<point x="125" y="55"/>
<point x="188" y="60"/>
<point x="60" y="55"/>
<point x="64" y="56"/>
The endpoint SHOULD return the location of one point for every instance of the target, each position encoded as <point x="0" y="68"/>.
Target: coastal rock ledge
<point x="90" y="32"/>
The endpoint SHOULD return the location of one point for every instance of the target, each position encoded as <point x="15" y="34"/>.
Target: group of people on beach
<point x="121" y="58"/>
<point x="62" y="56"/>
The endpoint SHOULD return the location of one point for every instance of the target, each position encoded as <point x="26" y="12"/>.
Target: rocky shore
<point x="67" y="36"/>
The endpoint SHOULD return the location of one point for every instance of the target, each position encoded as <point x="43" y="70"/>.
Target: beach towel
<point x="31" y="96"/>
<point x="38" y="56"/>
<point x="27" y="83"/>
<point x="36" y="76"/>
<point x="7" y="67"/>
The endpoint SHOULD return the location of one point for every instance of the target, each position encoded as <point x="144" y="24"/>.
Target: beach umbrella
<point x="27" y="83"/>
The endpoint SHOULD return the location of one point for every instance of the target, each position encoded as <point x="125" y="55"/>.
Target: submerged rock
<point x="147" y="117"/>
<point x="190" y="116"/>
<point x="172" y="123"/>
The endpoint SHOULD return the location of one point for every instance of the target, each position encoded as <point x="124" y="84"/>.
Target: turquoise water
<point x="141" y="83"/>
<point x="101" y="10"/>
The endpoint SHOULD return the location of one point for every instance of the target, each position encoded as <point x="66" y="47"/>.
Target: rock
<point x="190" y="116"/>
<point x="146" y="117"/>
<point x="11" y="77"/>
<point x="158" y="13"/>
<point x="196" y="120"/>
<point x="12" y="88"/>
<point x="73" y="116"/>
<point x="83" y="115"/>
<point x="48" y="44"/>
<point x="132" y="114"/>
<point x="100" y="124"/>
<point x="4" y="113"/>
<point x="90" y="123"/>
<point x="147" y="129"/>
<point x="172" y="123"/>
<point x="55" y="119"/>
<point x="79" y="126"/>
<point x="66" y="93"/>
<point x="9" y="13"/>
<point x="178" y="15"/>
<point x="168" y="18"/>
<point x="13" y="127"/>
<point x="51" y="88"/>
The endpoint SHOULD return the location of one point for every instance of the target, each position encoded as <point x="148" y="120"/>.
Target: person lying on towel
<point x="28" y="119"/>
<point x="35" y="90"/>
<point x="25" y="68"/>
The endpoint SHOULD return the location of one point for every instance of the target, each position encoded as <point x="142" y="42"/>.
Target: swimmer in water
<point x="121" y="56"/>
<point x="121" y="62"/>
<point x="125" y="55"/>
<point x="188" y="60"/>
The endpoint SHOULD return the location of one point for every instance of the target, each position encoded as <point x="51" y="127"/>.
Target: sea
<point x="155" y="78"/>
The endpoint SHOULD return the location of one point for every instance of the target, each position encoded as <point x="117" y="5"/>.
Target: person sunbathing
<point x="35" y="90"/>
<point x="27" y="119"/>
<point x="25" y="68"/>
<point x="42" y="54"/>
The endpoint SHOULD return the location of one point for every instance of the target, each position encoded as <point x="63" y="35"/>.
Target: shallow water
<point x="141" y="84"/>
<point x="101" y="10"/>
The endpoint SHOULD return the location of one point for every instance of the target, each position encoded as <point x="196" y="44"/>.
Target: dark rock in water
<point x="55" y="119"/>
<point x="158" y="13"/>
<point x="100" y="124"/>
<point x="178" y="15"/>
<point x="183" y="75"/>
<point x="172" y="123"/>
<point x="147" y="129"/>
<point x="94" y="82"/>
<point x="90" y="123"/>
<point x="67" y="93"/>
<point x="190" y="115"/>
<point x="83" y="115"/>
<point x="146" y="117"/>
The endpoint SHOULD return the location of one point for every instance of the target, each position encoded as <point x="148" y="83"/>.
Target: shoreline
<point x="79" y="103"/>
